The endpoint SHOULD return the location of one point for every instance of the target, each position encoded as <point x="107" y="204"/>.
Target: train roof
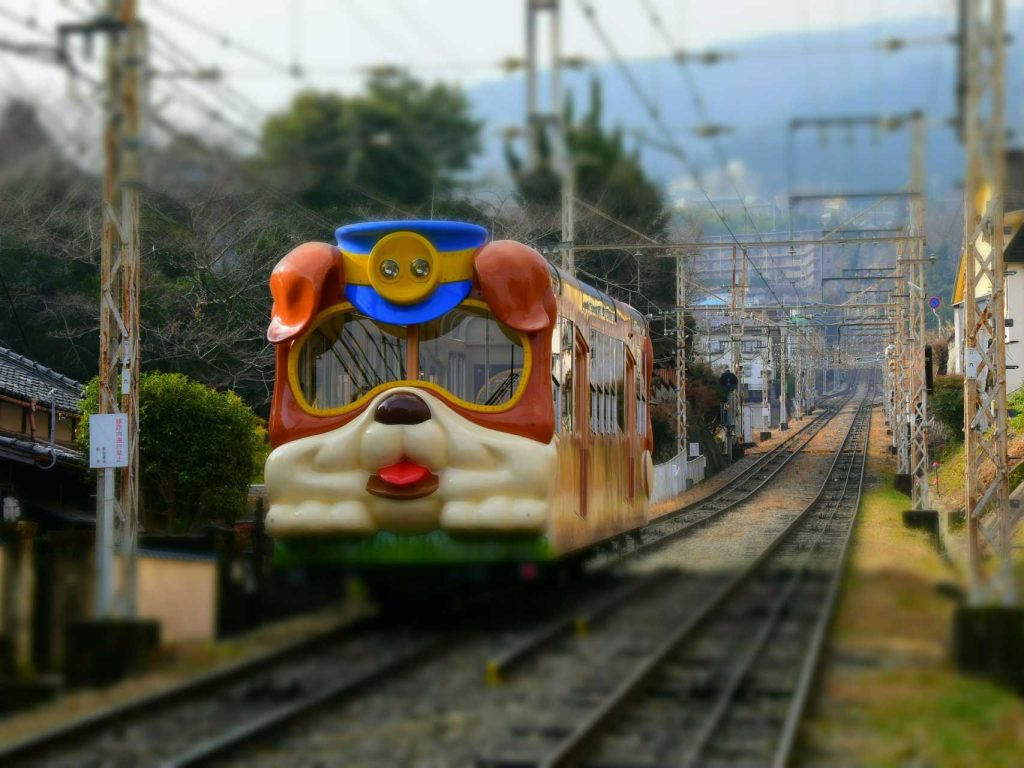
<point x="595" y="301"/>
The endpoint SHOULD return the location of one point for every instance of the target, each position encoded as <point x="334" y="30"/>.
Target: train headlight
<point x="404" y="267"/>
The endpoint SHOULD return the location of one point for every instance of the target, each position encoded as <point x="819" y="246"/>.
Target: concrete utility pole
<point x="117" y="490"/>
<point x="990" y="519"/>
<point x="536" y="118"/>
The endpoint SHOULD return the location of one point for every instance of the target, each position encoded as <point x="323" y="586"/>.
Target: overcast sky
<point x="463" y="40"/>
<point x="255" y="42"/>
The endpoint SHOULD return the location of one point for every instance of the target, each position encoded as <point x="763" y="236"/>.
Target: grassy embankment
<point x="889" y="695"/>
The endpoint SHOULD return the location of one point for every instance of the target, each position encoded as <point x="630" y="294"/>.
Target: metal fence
<point x="676" y="475"/>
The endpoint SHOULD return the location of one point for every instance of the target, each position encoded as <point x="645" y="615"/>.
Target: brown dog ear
<point x="516" y="285"/>
<point x="308" y="279"/>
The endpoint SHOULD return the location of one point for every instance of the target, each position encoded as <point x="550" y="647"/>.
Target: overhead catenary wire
<point x="655" y="116"/>
<point x="224" y="39"/>
<point x="700" y="107"/>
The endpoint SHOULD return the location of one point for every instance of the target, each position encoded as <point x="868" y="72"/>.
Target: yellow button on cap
<point x="404" y="267"/>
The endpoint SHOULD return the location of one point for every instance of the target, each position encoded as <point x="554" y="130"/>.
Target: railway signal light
<point x="929" y="384"/>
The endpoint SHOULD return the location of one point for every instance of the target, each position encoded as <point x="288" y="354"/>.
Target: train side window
<point x="641" y="401"/>
<point x="619" y="387"/>
<point x="607" y="384"/>
<point x="561" y="374"/>
<point x="595" y="378"/>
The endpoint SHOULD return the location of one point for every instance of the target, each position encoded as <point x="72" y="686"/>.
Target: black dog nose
<point x="402" y="408"/>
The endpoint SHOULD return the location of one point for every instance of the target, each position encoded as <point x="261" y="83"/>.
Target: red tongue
<point x="403" y="473"/>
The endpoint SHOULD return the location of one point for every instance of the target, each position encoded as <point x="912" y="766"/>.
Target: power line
<point x="672" y="145"/>
<point x="225" y="40"/>
<point x="700" y="107"/>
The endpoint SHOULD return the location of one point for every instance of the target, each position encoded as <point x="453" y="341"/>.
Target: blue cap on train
<point x="405" y="272"/>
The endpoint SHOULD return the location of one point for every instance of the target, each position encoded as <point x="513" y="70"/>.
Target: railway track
<point x="685" y="520"/>
<point x="221" y="715"/>
<point x="674" y="526"/>
<point x="726" y="685"/>
<point x="189" y="724"/>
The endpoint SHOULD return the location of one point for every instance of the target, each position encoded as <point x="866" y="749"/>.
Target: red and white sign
<point x="108" y="440"/>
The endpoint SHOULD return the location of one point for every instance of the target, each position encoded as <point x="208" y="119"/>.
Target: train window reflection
<point x="561" y="374"/>
<point x="346" y="356"/>
<point x="472" y="355"/>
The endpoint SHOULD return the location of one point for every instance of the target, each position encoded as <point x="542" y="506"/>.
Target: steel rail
<point x="580" y="619"/>
<point x="821" y="417"/>
<point x="570" y="749"/>
<point x="498" y="668"/>
<point x="782" y="601"/>
<point x="812" y="661"/>
<point x="660" y="540"/>
<point x="66" y="734"/>
<point x="249" y="731"/>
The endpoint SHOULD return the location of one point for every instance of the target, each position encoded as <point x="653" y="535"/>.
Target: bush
<point x="1015" y="402"/>
<point x="199" y="450"/>
<point x="947" y="404"/>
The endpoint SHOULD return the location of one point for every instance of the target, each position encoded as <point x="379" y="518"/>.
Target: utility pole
<point x="902" y="343"/>
<point x="916" y="298"/>
<point x="537" y="119"/>
<point x="783" y="353"/>
<point x="818" y="364"/>
<point x="117" y="489"/>
<point x="798" y="377"/>
<point x="736" y="328"/>
<point x="990" y="519"/>
<point x="682" y="440"/>
<point x="766" y="380"/>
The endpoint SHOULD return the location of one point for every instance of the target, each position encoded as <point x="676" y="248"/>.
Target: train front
<point x="412" y="419"/>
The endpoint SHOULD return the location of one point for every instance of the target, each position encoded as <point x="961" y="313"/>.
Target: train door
<point x="629" y="407"/>
<point x="581" y="424"/>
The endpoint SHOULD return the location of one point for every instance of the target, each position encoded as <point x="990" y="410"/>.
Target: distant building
<point x="794" y="272"/>
<point x="713" y="344"/>
<point x="35" y="469"/>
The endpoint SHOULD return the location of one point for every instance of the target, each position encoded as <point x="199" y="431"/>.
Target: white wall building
<point x="1013" y="256"/>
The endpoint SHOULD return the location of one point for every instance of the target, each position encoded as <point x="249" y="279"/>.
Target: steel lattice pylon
<point x="901" y="384"/>
<point x="990" y="520"/>
<point x="914" y="273"/>
<point x="681" y="425"/>
<point x="767" y="362"/>
<point x="783" y="388"/>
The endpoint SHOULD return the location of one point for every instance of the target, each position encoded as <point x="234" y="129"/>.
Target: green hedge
<point x="947" y="404"/>
<point x="199" y="450"/>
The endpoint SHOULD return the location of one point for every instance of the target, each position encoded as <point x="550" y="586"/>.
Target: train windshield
<point x="471" y="355"/>
<point x="346" y="357"/>
<point x="467" y="352"/>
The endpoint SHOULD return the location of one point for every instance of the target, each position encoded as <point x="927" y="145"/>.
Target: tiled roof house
<point x="28" y="392"/>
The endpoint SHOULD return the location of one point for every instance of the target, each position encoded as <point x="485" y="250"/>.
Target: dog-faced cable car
<point x="442" y="399"/>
